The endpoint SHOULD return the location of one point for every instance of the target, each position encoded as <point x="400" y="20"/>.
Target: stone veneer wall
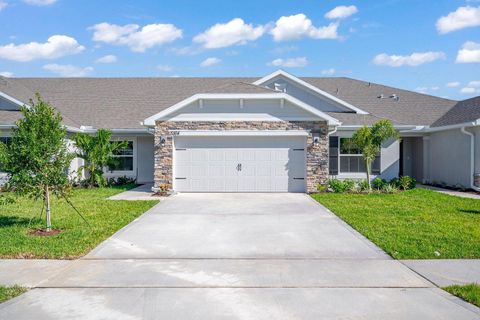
<point x="317" y="155"/>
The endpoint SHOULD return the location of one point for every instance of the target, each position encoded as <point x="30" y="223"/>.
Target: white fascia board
<point x="475" y="123"/>
<point x="150" y="121"/>
<point x="115" y="131"/>
<point x="309" y="86"/>
<point x="398" y="127"/>
<point x="12" y="99"/>
<point x="241" y="133"/>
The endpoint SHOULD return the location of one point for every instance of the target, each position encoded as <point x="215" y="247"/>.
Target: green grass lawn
<point x="76" y="238"/>
<point x="412" y="224"/>
<point x="7" y="293"/>
<point x="469" y="292"/>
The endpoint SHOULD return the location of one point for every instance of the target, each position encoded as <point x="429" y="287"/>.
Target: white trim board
<point x="239" y="133"/>
<point x="309" y="86"/>
<point x="13" y="100"/>
<point x="150" y="121"/>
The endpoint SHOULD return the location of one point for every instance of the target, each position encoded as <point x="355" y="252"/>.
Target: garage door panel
<point x="199" y="170"/>
<point x="267" y="164"/>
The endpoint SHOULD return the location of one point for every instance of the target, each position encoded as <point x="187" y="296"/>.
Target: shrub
<point x="379" y="183"/>
<point x="363" y="185"/>
<point x="322" y="187"/>
<point x="337" y="186"/>
<point x="121" y="181"/>
<point x="349" y="184"/>
<point x="407" y="183"/>
<point x="389" y="188"/>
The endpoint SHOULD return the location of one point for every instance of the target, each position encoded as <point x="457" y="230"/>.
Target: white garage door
<point x="239" y="164"/>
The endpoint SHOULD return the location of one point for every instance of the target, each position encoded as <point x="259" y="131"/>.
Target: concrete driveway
<point x="237" y="256"/>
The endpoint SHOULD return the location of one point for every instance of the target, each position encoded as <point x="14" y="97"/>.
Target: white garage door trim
<point x="239" y="164"/>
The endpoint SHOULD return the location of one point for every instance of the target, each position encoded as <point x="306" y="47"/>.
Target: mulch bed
<point x="43" y="232"/>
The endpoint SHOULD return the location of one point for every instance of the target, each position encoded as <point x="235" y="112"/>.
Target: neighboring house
<point x="279" y="133"/>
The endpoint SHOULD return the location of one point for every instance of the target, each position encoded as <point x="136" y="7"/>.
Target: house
<point x="279" y="133"/>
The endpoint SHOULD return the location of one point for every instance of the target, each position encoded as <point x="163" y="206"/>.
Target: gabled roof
<point x="150" y="121"/>
<point x="464" y="111"/>
<point x="309" y="86"/>
<point x="125" y="102"/>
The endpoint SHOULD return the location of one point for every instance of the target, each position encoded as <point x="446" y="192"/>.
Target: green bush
<point x="379" y="183"/>
<point x="363" y="185"/>
<point x="337" y="186"/>
<point x="322" y="187"/>
<point x="349" y="184"/>
<point x="389" y="188"/>
<point x="406" y="183"/>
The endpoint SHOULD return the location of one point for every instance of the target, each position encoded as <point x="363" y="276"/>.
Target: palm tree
<point x="370" y="139"/>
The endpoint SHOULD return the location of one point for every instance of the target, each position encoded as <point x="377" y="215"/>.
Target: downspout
<point x="472" y="158"/>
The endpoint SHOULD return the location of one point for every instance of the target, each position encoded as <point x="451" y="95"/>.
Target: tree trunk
<point x="368" y="165"/>
<point x="47" y="206"/>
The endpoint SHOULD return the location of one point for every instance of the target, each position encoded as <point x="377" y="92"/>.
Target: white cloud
<point x="136" y="38"/>
<point x="469" y="90"/>
<point x="210" y="62"/>
<point x="3" y="5"/>
<point x="434" y="88"/>
<point x="328" y="72"/>
<point x="40" y="3"/>
<point x="469" y="53"/>
<point x="110" y="58"/>
<point x="415" y="59"/>
<point x="6" y="74"/>
<point x="68" y="70"/>
<point x="421" y="89"/>
<point x="234" y="32"/>
<point x="474" y="84"/>
<point x="164" y="67"/>
<point x="453" y="84"/>
<point x="463" y="17"/>
<point x="290" y="62"/>
<point x="57" y="46"/>
<point x="299" y="26"/>
<point x="341" y="12"/>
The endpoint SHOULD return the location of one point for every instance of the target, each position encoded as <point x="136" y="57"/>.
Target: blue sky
<point x="428" y="46"/>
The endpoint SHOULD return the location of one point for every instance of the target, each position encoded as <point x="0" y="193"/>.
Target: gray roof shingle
<point x="464" y="111"/>
<point x="125" y="102"/>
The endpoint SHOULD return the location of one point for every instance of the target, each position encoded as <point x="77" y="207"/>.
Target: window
<point x="123" y="159"/>
<point x="6" y="140"/>
<point x="346" y="157"/>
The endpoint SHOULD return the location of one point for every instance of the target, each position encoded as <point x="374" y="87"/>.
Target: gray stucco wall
<point x="390" y="159"/>
<point x="448" y="158"/>
<point x="476" y="132"/>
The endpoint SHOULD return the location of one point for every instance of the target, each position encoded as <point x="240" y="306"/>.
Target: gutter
<point x="472" y="158"/>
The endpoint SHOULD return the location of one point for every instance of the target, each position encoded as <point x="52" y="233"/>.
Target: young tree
<point x="97" y="151"/>
<point x="370" y="140"/>
<point x="37" y="159"/>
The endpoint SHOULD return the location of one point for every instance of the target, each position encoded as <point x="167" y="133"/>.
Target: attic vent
<point x="394" y="96"/>
<point x="282" y="87"/>
<point x="382" y="96"/>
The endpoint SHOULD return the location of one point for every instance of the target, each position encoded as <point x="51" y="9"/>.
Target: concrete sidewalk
<point x="461" y="194"/>
<point x="237" y="256"/>
<point x="30" y="272"/>
<point x="143" y="192"/>
<point x="446" y="272"/>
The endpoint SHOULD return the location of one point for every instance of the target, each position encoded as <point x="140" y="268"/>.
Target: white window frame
<point x="128" y="173"/>
<point x="352" y="175"/>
